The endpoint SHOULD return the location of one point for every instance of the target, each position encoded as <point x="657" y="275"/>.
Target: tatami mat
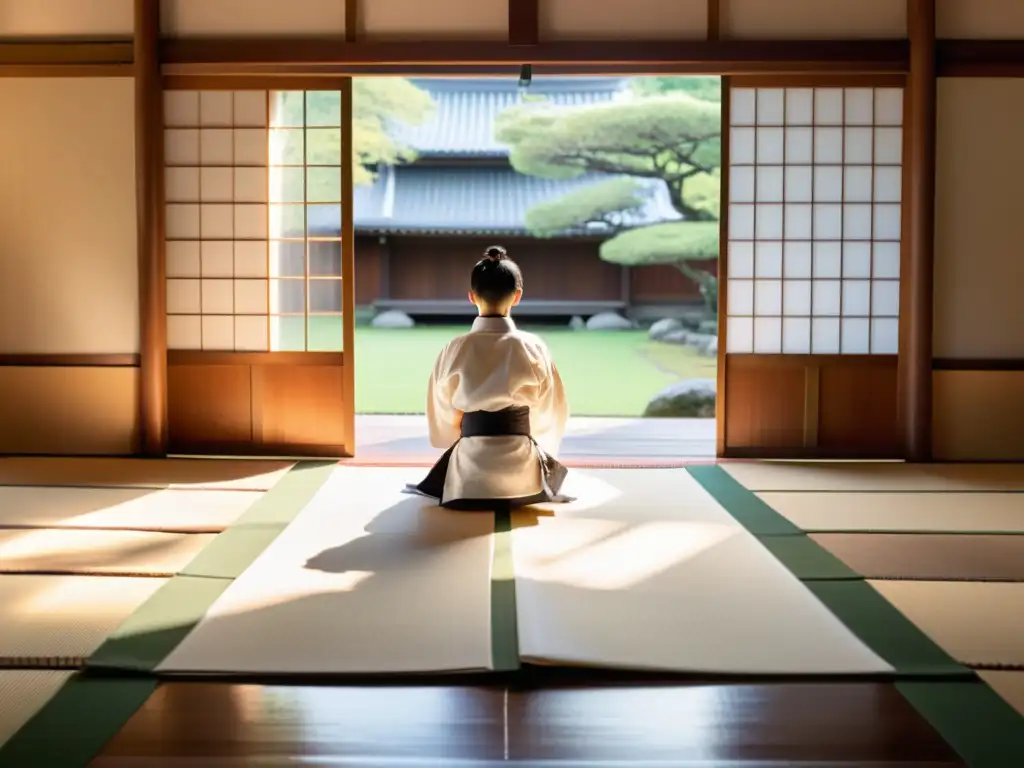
<point x="243" y="475"/>
<point x="978" y="624"/>
<point x="23" y="693"/>
<point x="875" y="476"/>
<point x="139" y="509"/>
<point x="63" y="619"/>
<point x="365" y="580"/>
<point x="613" y="580"/>
<point x="894" y="512"/>
<point x="929" y="556"/>
<point x="1008" y="684"/>
<point x="125" y="553"/>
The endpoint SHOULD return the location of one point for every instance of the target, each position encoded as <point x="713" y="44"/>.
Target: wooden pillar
<point x="919" y="251"/>
<point x="714" y="19"/>
<point x="149" y="203"/>
<point x="384" y="260"/>
<point x="523" y="22"/>
<point x="348" y="240"/>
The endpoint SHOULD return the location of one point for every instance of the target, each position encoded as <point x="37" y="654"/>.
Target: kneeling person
<point x="496" y="404"/>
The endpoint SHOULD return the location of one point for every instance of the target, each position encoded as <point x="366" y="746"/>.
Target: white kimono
<point x="493" y="367"/>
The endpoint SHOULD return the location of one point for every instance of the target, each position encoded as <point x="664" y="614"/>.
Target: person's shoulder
<point x="532" y="342"/>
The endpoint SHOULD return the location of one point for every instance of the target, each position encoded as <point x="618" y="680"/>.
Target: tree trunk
<point x="675" y="192"/>
<point x="707" y="283"/>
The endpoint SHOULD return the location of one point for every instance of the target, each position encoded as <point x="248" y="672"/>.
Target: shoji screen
<point x="216" y="224"/>
<point x="814" y="220"/>
<point x="253" y="220"/>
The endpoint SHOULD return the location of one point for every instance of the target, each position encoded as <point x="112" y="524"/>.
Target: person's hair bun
<point x="495" y="253"/>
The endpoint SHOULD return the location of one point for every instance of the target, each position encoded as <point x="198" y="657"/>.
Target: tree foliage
<point x="671" y="242"/>
<point x="669" y="130"/>
<point x="674" y="138"/>
<point x="377" y="101"/>
<point x="676" y="243"/>
<point x="605" y="203"/>
<point x="704" y="88"/>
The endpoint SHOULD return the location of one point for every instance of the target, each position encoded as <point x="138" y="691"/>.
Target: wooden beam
<point x="69" y="361"/>
<point x="979" y="58"/>
<point x="68" y="59"/>
<point x="351" y="20"/>
<point x="523" y="22"/>
<point x="714" y="19"/>
<point x="149" y="195"/>
<point x="915" y="402"/>
<point x="954" y="58"/>
<point x="978" y="365"/>
<point x="264" y="56"/>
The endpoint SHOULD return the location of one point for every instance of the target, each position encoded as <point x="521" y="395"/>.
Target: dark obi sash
<point x="503" y="423"/>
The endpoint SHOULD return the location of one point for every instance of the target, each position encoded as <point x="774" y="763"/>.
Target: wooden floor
<point x="752" y="725"/>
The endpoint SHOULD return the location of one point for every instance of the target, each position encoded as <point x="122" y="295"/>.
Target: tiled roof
<point x="472" y="200"/>
<point x="466" y="109"/>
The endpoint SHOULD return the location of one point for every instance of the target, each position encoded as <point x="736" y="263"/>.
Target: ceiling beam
<point x="330" y="56"/>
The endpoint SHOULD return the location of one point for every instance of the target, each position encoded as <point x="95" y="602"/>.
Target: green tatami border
<point x="885" y="630"/>
<point x="748" y="509"/>
<point x="963" y="709"/>
<point x="847" y="595"/>
<point x="504" y="620"/>
<point x="87" y="711"/>
<point x="808" y="560"/>
<point x="72" y="727"/>
<point x="154" y="630"/>
<point x="973" y="719"/>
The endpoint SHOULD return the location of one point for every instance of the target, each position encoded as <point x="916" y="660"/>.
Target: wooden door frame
<point x="344" y="359"/>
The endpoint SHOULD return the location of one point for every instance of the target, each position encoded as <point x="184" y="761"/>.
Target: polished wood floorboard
<point x="217" y="725"/>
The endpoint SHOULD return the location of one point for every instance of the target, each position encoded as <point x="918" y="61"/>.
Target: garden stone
<point x="676" y="337"/>
<point x="663" y="327"/>
<point x="711" y="350"/>
<point x="687" y="399"/>
<point x="577" y="323"/>
<point x="392" y="319"/>
<point x="709" y="327"/>
<point x="691" y="320"/>
<point x="698" y="340"/>
<point x="608" y="321"/>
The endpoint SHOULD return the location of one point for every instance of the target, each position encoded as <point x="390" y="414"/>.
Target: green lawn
<point x="611" y="373"/>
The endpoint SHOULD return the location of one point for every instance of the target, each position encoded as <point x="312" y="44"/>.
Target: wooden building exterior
<point x="421" y="226"/>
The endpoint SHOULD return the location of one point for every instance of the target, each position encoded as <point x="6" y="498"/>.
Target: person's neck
<point x="493" y="312"/>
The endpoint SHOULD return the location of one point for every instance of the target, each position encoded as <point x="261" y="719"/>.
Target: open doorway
<point x="605" y="190"/>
